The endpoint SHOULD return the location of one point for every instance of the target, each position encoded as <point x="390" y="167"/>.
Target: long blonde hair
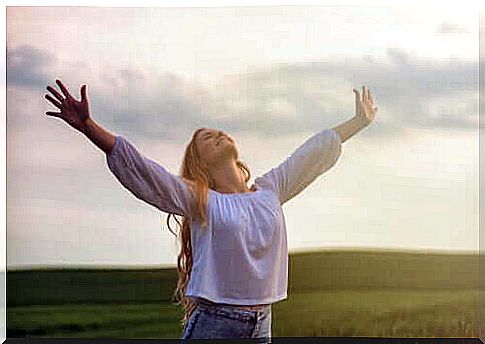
<point x="194" y="171"/>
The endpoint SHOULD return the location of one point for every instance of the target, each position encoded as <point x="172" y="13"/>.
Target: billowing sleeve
<point x="147" y="180"/>
<point x="315" y="156"/>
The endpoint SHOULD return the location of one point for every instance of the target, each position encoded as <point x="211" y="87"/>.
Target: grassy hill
<point x="331" y="293"/>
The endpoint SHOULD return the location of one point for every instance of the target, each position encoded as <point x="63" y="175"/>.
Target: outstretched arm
<point x="349" y="128"/>
<point x="315" y="156"/>
<point x="143" y="177"/>
<point x="147" y="180"/>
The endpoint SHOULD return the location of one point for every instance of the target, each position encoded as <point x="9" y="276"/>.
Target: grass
<point x="344" y="293"/>
<point x="379" y="313"/>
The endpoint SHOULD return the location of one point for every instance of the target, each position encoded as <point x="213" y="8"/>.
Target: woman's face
<point x="214" y="145"/>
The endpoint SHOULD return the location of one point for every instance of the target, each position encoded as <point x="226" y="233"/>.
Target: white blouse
<point x="242" y="256"/>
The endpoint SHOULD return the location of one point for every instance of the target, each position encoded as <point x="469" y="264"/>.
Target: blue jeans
<point x="211" y="320"/>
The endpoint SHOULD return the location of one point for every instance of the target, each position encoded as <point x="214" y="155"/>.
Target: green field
<point x="331" y="293"/>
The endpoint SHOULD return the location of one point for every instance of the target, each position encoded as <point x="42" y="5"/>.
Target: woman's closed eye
<point x="209" y="135"/>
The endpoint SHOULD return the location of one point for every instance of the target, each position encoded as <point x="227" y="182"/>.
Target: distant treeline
<point x="308" y="271"/>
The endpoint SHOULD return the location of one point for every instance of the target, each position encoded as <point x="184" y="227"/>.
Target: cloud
<point x="27" y="66"/>
<point x="278" y="99"/>
<point x="409" y="89"/>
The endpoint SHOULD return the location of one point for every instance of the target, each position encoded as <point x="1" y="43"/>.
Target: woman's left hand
<point x="365" y="109"/>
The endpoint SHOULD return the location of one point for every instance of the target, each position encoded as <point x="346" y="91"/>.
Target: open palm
<point x="74" y="112"/>
<point x="365" y="109"/>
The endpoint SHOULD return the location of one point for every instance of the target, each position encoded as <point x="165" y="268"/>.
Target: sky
<point x="271" y="76"/>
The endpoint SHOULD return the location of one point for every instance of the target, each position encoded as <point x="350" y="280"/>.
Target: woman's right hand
<point x="73" y="112"/>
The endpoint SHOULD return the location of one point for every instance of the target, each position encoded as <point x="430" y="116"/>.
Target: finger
<point x="371" y="99"/>
<point x="54" y="114"/>
<point x="55" y="93"/>
<point x="357" y="94"/>
<point x="357" y="101"/>
<point x="55" y="102"/>
<point x="83" y="93"/>
<point x="63" y="89"/>
<point x="364" y="93"/>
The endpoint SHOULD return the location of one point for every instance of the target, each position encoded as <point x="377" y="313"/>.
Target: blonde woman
<point x="233" y="260"/>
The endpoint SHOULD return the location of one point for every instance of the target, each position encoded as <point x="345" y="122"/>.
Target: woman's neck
<point x="228" y="178"/>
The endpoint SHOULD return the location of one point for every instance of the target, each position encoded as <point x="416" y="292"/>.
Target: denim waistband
<point x="207" y="302"/>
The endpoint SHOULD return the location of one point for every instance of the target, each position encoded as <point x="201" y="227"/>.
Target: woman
<point x="233" y="260"/>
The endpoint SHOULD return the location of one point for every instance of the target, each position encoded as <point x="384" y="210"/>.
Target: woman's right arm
<point x="147" y="180"/>
<point x="144" y="178"/>
<point x="99" y="136"/>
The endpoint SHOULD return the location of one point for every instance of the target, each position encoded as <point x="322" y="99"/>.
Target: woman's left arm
<point x="365" y="111"/>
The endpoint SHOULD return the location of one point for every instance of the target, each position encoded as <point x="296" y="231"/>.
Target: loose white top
<point x="242" y="256"/>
